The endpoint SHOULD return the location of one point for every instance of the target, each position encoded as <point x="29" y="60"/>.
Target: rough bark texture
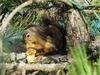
<point x="16" y="64"/>
<point x="76" y="28"/>
<point x="41" y="67"/>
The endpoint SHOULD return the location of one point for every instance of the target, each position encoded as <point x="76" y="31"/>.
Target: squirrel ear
<point x="46" y="20"/>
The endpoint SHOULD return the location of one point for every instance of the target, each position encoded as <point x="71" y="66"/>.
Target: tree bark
<point x="77" y="32"/>
<point x="40" y="67"/>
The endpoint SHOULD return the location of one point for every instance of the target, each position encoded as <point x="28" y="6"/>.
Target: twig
<point x="89" y="7"/>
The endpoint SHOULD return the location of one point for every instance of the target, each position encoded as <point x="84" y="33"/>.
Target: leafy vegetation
<point x="81" y="65"/>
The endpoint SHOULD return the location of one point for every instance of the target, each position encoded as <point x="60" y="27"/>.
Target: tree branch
<point x="41" y="67"/>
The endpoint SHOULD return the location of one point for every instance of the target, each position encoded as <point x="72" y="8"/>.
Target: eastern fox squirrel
<point x="43" y="39"/>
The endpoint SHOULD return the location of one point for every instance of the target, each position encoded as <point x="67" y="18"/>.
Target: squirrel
<point x="45" y="39"/>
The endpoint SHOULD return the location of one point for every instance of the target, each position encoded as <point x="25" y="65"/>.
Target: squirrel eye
<point x="28" y="35"/>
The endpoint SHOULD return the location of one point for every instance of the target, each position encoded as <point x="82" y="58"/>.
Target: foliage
<point x="95" y="27"/>
<point x="12" y="34"/>
<point x="81" y="65"/>
<point x="8" y="5"/>
<point x="95" y="2"/>
<point x="91" y="21"/>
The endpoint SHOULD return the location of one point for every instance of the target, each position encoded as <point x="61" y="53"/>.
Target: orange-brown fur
<point x="43" y="39"/>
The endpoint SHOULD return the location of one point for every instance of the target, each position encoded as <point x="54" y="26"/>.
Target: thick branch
<point x="42" y="67"/>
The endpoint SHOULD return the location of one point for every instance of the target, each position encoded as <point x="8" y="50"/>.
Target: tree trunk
<point x="77" y="31"/>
